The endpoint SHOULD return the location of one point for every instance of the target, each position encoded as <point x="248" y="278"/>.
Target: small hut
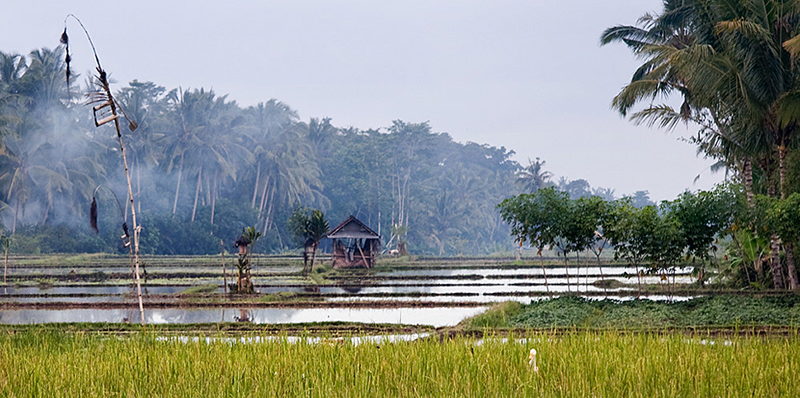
<point x="354" y="244"/>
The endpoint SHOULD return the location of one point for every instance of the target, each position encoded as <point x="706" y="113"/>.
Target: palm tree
<point x="728" y="62"/>
<point x="286" y="169"/>
<point x="12" y="67"/>
<point x="308" y="227"/>
<point x="533" y="177"/>
<point x="204" y="137"/>
<point x="143" y="102"/>
<point x="266" y="120"/>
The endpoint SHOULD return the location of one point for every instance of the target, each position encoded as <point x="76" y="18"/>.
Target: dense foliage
<point x="204" y="167"/>
<point x="701" y="312"/>
<point x="656" y="236"/>
<point x="734" y="66"/>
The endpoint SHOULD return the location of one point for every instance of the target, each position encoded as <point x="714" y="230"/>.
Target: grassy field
<point x="579" y="364"/>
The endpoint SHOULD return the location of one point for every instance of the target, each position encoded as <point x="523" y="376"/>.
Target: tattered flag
<point x="67" y="58"/>
<point x="125" y="229"/>
<point x="93" y="215"/>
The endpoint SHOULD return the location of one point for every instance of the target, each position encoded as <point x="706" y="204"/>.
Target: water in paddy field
<point x="444" y="316"/>
<point x="474" y="286"/>
<point x="560" y="271"/>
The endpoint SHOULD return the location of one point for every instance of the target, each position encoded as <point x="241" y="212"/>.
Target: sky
<point x="527" y="75"/>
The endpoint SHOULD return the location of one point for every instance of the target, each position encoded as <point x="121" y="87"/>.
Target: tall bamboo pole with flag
<point x="105" y="111"/>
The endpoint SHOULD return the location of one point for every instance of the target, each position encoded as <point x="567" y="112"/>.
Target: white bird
<point x="532" y="360"/>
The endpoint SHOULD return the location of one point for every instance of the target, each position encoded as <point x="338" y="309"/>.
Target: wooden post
<point x="362" y="255"/>
<point x="224" y="274"/>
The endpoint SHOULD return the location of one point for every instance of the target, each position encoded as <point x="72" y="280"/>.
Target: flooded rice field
<point x="412" y="316"/>
<point x="187" y="290"/>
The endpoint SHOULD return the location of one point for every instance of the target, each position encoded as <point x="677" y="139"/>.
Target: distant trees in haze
<point x="203" y="167"/>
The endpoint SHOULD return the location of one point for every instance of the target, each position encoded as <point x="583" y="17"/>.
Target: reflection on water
<point x="504" y="298"/>
<point x="412" y="316"/>
<point x="33" y="271"/>
<point x="98" y="290"/>
<point x="614" y="270"/>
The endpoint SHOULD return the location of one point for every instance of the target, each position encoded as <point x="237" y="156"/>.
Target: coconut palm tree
<point x="727" y="61"/>
<point x="12" y="67"/>
<point x="204" y="137"/>
<point x="286" y="170"/>
<point x="144" y="103"/>
<point x="533" y="177"/>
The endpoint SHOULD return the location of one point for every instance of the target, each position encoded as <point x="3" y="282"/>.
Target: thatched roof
<point x="242" y="241"/>
<point x="354" y="229"/>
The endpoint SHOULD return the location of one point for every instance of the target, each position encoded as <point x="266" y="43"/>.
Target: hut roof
<point x="242" y="241"/>
<point x="353" y="228"/>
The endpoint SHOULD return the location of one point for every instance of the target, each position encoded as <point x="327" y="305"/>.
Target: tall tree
<point x="533" y="177"/>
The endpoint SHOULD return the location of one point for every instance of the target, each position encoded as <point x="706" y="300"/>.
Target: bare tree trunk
<point x="544" y="272"/>
<point x="178" y="187"/>
<point x="777" y="272"/>
<point x="748" y="181"/>
<point x="602" y="277"/>
<point x="208" y="188"/>
<point x="264" y="195"/>
<point x="578" y="267"/>
<point x="268" y="217"/>
<point x="774" y="242"/>
<point x="214" y="198"/>
<point x="46" y="211"/>
<point x="789" y="249"/>
<point x="197" y="191"/>
<point x="638" y="280"/>
<point x="16" y="214"/>
<point x="255" y="185"/>
<point x="313" y="256"/>
<point x="566" y="270"/>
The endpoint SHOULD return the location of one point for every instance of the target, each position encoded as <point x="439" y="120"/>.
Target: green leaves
<point x="307" y="225"/>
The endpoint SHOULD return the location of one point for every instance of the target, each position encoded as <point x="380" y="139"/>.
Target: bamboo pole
<point x="104" y="81"/>
<point x="102" y="77"/>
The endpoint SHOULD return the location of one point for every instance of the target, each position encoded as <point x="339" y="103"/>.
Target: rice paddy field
<point x="573" y="364"/>
<point x="69" y="326"/>
<point x="98" y="288"/>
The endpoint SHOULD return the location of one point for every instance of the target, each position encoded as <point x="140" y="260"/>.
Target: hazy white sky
<point x="527" y="75"/>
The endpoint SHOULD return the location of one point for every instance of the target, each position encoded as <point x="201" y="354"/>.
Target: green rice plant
<point x="579" y="364"/>
<point x="201" y="289"/>
<point x="497" y="316"/>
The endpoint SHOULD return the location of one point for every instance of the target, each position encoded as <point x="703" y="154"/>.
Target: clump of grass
<point x="578" y="364"/>
<point x="279" y="297"/>
<point x="609" y="283"/>
<point x="44" y="284"/>
<point x="201" y="289"/>
<point x="713" y="311"/>
<point x="497" y="316"/>
<point x="317" y="278"/>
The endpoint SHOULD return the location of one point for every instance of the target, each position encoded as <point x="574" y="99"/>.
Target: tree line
<point x="203" y="167"/>
<point x="716" y="229"/>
